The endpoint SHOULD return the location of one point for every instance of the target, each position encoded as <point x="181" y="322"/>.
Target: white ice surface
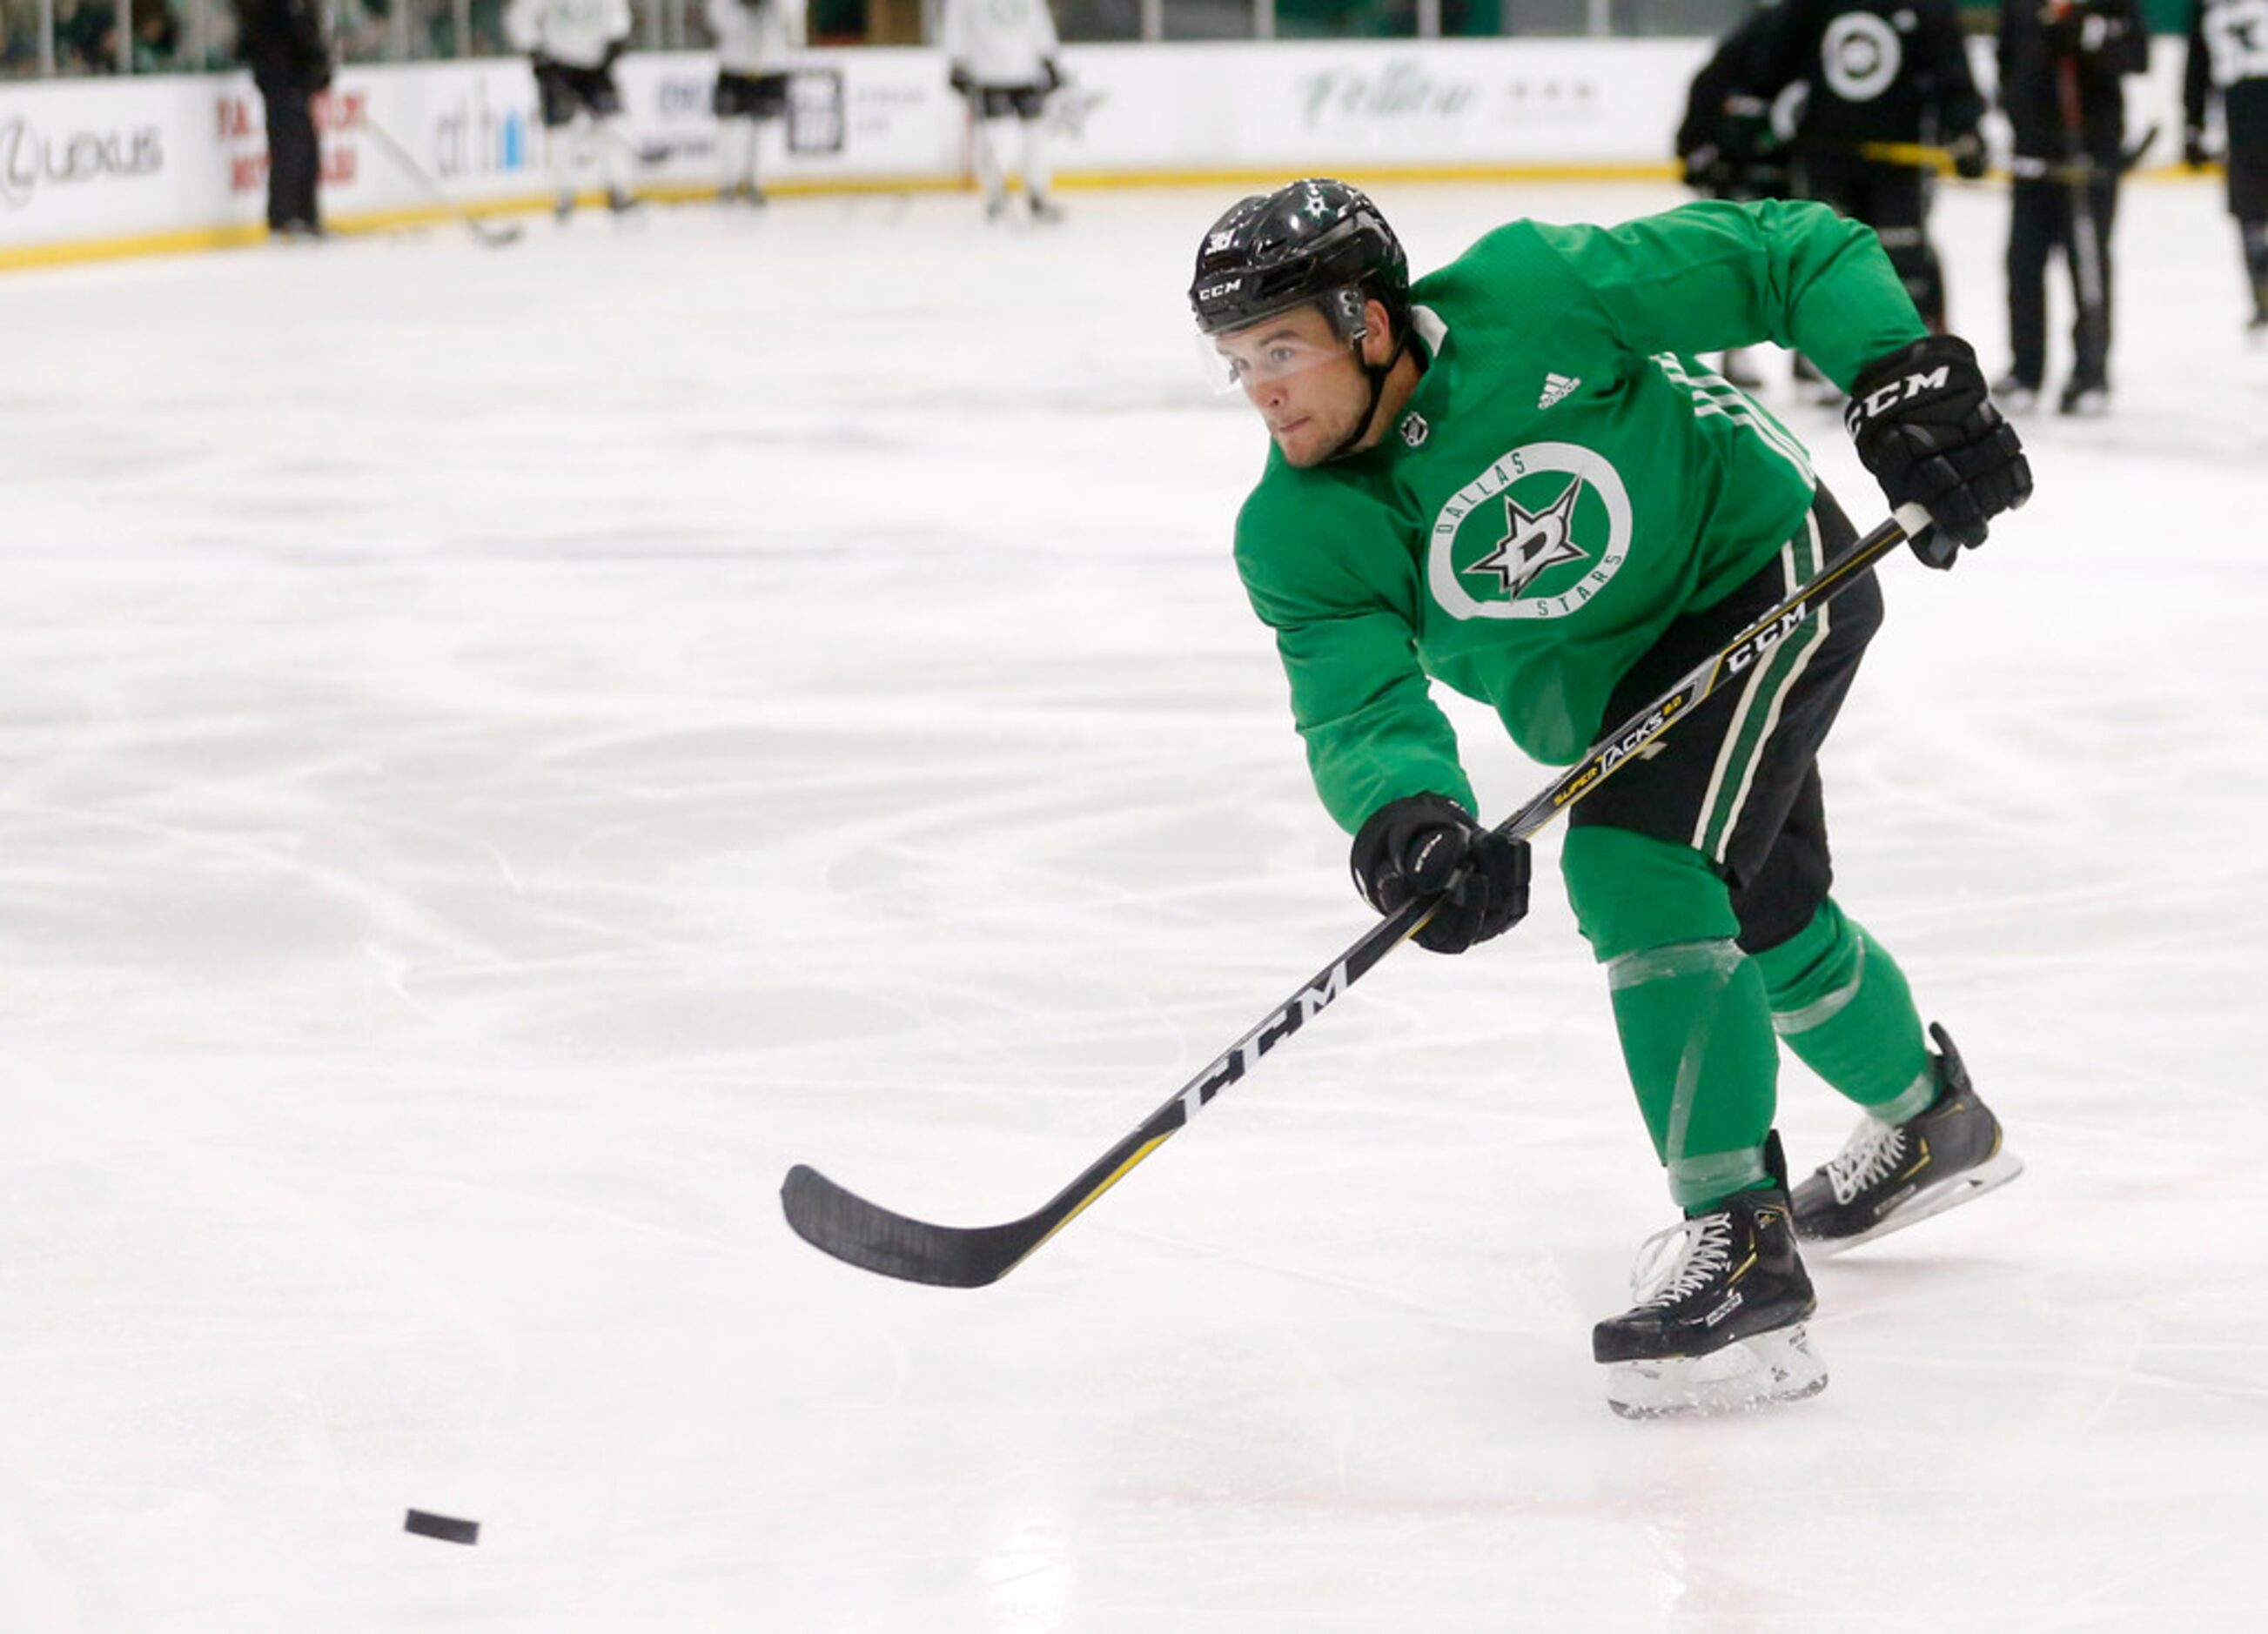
<point x="501" y="753"/>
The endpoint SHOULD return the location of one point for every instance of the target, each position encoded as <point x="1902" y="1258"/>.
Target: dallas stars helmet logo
<point x="1534" y="540"/>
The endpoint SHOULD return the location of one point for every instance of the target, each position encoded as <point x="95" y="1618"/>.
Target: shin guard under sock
<point x="1842" y="1004"/>
<point x="1689" y="1008"/>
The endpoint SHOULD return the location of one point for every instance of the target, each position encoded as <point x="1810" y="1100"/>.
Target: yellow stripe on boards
<point x="233" y="236"/>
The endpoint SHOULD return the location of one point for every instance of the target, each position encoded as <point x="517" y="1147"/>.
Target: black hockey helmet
<point x="1316" y="241"/>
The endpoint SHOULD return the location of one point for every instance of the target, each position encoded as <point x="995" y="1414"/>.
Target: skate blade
<point x="1995" y="1171"/>
<point x="1748" y="1374"/>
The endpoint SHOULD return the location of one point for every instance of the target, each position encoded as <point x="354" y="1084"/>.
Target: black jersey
<point x="1727" y="85"/>
<point x="2228" y="53"/>
<point x="1880" y="70"/>
<point x="2030" y="75"/>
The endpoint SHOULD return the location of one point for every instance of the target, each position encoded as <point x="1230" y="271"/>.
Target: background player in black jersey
<point x="2060" y="67"/>
<point x="2228" y="57"/>
<point x="283" y="42"/>
<point x="1727" y="145"/>
<point x="1880" y="72"/>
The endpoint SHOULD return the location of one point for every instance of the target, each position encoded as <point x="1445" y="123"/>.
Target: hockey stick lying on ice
<point x="865" y="1234"/>
<point x="495" y="234"/>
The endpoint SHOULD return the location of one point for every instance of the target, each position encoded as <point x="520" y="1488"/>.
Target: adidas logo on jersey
<point x="1555" y="388"/>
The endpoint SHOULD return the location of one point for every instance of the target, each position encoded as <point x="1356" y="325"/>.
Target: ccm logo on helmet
<point x="1882" y="400"/>
<point x="1214" y="291"/>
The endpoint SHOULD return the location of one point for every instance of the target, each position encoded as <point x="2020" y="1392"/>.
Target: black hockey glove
<point x="1425" y="844"/>
<point x="2077" y="27"/>
<point x="1925" y="427"/>
<point x="963" y="81"/>
<point x="2193" y="149"/>
<point x="1704" y="168"/>
<point x="1967" y="151"/>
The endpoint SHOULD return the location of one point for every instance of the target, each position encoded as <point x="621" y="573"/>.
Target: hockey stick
<point x="858" y="1232"/>
<point x="644" y="155"/>
<point x="495" y="234"/>
<point x="2022" y="167"/>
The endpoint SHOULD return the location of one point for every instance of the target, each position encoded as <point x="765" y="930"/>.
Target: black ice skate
<point x="2014" y="394"/>
<point x="1890" y="1176"/>
<point x="1719" y="1324"/>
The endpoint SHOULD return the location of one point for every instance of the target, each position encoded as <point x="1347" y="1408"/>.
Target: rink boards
<point x="168" y="162"/>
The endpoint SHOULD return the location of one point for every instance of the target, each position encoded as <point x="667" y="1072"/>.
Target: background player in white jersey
<point x="573" y="44"/>
<point x="1003" y="57"/>
<point x="2228" y="58"/>
<point x="755" y="40"/>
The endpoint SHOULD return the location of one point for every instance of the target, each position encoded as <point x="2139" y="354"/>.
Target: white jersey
<point x="573" y="31"/>
<point x="756" y="36"/>
<point x="1000" y="42"/>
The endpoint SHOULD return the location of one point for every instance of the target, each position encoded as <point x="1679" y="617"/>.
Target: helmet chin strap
<point x="1376" y="373"/>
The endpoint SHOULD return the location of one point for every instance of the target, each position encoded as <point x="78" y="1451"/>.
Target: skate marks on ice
<point x="591" y="886"/>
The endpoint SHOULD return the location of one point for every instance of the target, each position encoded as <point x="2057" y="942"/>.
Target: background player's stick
<point x="2023" y="167"/>
<point x="865" y="1234"/>
<point x="495" y="234"/>
<point x="642" y="154"/>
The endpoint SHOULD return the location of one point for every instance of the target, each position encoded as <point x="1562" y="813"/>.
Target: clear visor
<point x="1274" y="348"/>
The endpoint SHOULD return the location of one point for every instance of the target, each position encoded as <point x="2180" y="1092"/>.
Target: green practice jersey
<point x="1565" y="481"/>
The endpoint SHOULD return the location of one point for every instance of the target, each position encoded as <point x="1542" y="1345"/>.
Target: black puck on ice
<point x="446" y="1528"/>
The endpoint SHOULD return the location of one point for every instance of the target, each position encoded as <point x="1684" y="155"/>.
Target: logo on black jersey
<point x="1860" y="54"/>
<point x="1537" y="535"/>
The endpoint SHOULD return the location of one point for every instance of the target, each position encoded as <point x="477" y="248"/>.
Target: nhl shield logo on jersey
<point x="1537" y="535"/>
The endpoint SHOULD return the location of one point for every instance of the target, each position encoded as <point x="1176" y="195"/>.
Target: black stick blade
<point x="857" y="1232"/>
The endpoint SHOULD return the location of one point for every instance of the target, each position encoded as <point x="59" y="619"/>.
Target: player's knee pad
<point x="1817" y="968"/>
<point x="1631" y="892"/>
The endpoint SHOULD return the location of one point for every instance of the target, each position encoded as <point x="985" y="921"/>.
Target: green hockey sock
<point x="1697" y="1037"/>
<point x="1690" y="1009"/>
<point x="1842" y="1004"/>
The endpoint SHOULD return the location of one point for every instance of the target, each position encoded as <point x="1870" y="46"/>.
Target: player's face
<point x="1302" y="378"/>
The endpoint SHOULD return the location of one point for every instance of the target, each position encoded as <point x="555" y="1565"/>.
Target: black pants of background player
<point x="2248" y="202"/>
<point x="294" y="159"/>
<point x="1893" y="200"/>
<point x="741" y="102"/>
<point x="749" y="96"/>
<point x="2039" y="220"/>
<point x="563" y="89"/>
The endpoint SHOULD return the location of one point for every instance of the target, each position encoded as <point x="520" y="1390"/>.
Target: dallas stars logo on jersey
<point x="1534" y="540"/>
<point x="1537" y="535"/>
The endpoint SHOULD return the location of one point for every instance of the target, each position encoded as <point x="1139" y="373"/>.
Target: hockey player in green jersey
<point x="1514" y="477"/>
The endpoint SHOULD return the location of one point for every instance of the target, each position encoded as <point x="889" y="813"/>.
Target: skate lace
<point x="1673" y="1263"/>
<point x="1867" y="1156"/>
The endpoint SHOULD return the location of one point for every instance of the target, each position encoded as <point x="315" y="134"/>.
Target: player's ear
<point x="1377" y="333"/>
